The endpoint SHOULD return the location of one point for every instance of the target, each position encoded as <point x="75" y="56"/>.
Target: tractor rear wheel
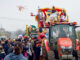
<point x="51" y="55"/>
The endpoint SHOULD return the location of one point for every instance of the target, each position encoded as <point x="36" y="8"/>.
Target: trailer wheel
<point x="51" y="55"/>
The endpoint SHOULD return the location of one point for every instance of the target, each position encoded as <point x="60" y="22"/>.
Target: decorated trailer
<point x="31" y="30"/>
<point x="46" y="12"/>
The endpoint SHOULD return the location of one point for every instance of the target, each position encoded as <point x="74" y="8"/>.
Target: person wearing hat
<point x="64" y="17"/>
<point x="54" y="15"/>
<point x="20" y="37"/>
<point x="26" y="38"/>
<point x="17" y="52"/>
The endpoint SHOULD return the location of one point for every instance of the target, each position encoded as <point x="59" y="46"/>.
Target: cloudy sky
<point x="12" y="19"/>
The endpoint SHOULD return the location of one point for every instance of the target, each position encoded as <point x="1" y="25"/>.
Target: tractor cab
<point x="62" y="38"/>
<point x="62" y="31"/>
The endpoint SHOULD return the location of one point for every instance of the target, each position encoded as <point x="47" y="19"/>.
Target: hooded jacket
<point x="12" y="56"/>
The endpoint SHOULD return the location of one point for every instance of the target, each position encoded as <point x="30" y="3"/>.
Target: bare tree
<point x="18" y="32"/>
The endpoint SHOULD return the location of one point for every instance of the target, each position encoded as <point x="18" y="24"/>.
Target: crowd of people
<point x="22" y="48"/>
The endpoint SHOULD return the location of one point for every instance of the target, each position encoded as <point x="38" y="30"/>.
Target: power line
<point x="17" y="19"/>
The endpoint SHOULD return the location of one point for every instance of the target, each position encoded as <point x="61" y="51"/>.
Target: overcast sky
<point x="12" y="19"/>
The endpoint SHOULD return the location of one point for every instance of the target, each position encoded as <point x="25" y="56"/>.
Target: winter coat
<point x="12" y="56"/>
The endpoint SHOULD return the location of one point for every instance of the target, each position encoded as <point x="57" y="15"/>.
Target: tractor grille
<point x="67" y="51"/>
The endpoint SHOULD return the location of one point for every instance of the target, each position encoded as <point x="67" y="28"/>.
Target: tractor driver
<point x="67" y="31"/>
<point x="56" y="33"/>
<point x="62" y="33"/>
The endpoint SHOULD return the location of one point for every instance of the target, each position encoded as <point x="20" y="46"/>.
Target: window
<point x="58" y="31"/>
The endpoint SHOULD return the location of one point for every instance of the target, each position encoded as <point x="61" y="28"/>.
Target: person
<point x="29" y="50"/>
<point x="62" y="33"/>
<point x="20" y="37"/>
<point x="63" y="17"/>
<point x="16" y="55"/>
<point x="54" y="15"/>
<point x="54" y="34"/>
<point x="26" y="38"/>
<point x="36" y="49"/>
<point x="68" y="32"/>
<point x="41" y="18"/>
<point x="2" y="53"/>
<point x="48" y="13"/>
<point x="10" y="50"/>
<point x="25" y="48"/>
<point x="6" y="46"/>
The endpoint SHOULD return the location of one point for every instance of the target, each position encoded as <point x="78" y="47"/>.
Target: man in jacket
<point x="16" y="55"/>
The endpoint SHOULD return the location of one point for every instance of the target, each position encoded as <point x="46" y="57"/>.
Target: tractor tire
<point x="75" y="55"/>
<point x="44" y="52"/>
<point x="74" y="58"/>
<point x="78" y="57"/>
<point x="51" y="55"/>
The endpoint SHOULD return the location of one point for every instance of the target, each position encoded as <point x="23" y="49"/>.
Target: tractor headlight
<point x="70" y="47"/>
<point x="62" y="47"/>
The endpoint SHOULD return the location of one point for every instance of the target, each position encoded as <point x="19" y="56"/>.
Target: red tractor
<point x="62" y="42"/>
